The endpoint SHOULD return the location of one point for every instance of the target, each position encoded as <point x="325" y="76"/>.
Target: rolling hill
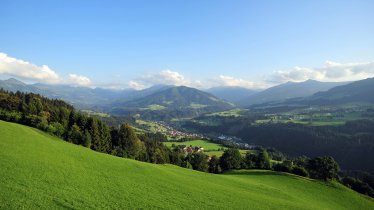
<point x="172" y="101"/>
<point x="39" y="171"/>
<point x="289" y="90"/>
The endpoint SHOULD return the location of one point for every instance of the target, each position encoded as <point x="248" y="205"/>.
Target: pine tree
<point x="87" y="139"/>
<point x="95" y="135"/>
<point x="75" y="134"/>
<point x="105" y="141"/>
<point x="129" y="142"/>
<point x="263" y="160"/>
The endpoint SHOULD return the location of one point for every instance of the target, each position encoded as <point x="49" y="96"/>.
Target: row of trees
<point x="364" y="185"/>
<point x="324" y="168"/>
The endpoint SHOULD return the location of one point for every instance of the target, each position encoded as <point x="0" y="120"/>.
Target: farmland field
<point x="220" y="152"/>
<point x="230" y="113"/>
<point x="39" y="171"/>
<point x="319" y="116"/>
<point x="209" y="146"/>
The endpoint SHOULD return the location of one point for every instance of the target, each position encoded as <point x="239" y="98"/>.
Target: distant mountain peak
<point x="14" y="81"/>
<point x="174" y="101"/>
<point x="311" y="80"/>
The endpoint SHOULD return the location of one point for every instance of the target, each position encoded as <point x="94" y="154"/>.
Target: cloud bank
<point x="237" y="82"/>
<point x="166" y="77"/>
<point x="74" y="79"/>
<point x="135" y="85"/>
<point x="330" y="72"/>
<point x="25" y="70"/>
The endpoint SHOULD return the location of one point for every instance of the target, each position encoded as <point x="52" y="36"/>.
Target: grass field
<point x="93" y="113"/>
<point x="197" y="106"/>
<point x="219" y="153"/>
<point x="330" y="116"/>
<point x="311" y="123"/>
<point x="209" y="146"/>
<point x="38" y="171"/>
<point x="230" y="113"/>
<point x="155" y="107"/>
<point x="151" y="126"/>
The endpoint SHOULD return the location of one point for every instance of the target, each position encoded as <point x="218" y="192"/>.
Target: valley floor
<point x="38" y="171"/>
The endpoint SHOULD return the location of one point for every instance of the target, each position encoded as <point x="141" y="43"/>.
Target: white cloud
<point x="166" y="77"/>
<point x="330" y="72"/>
<point x="135" y="85"/>
<point x="231" y="81"/>
<point x="25" y="70"/>
<point x="78" y="80"/>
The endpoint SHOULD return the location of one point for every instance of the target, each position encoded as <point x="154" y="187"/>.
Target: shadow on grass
<point x="253" y="173"/>
<point x="62" y="204"/>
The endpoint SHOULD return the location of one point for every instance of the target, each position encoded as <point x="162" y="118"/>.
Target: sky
<point x="139" y="43"/>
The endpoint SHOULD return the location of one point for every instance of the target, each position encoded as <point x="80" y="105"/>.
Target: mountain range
<point x="287" y="91"/>
<point x="78" y="96"/>
<point x="181" y="101"/>
<point x="358" y="92"/>
<point x="173" y="101"/>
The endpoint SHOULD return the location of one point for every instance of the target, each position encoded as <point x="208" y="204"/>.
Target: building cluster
<point x="174" y="133"/>
<point x="191" y="149"/>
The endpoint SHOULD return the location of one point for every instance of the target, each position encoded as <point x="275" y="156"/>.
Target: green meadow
<point x="230" y="113"/>
<point x="220" y="152"/>
<point x="38" y="171"/>
<point x="209" y="146"/>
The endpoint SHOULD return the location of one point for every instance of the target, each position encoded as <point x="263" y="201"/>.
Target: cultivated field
<point x="208" y="146"/>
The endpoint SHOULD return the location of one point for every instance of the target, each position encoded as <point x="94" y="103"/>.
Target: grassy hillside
<point x="40" y="171"/>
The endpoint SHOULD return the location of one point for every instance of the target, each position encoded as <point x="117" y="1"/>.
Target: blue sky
<point x="140" y="43"/>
